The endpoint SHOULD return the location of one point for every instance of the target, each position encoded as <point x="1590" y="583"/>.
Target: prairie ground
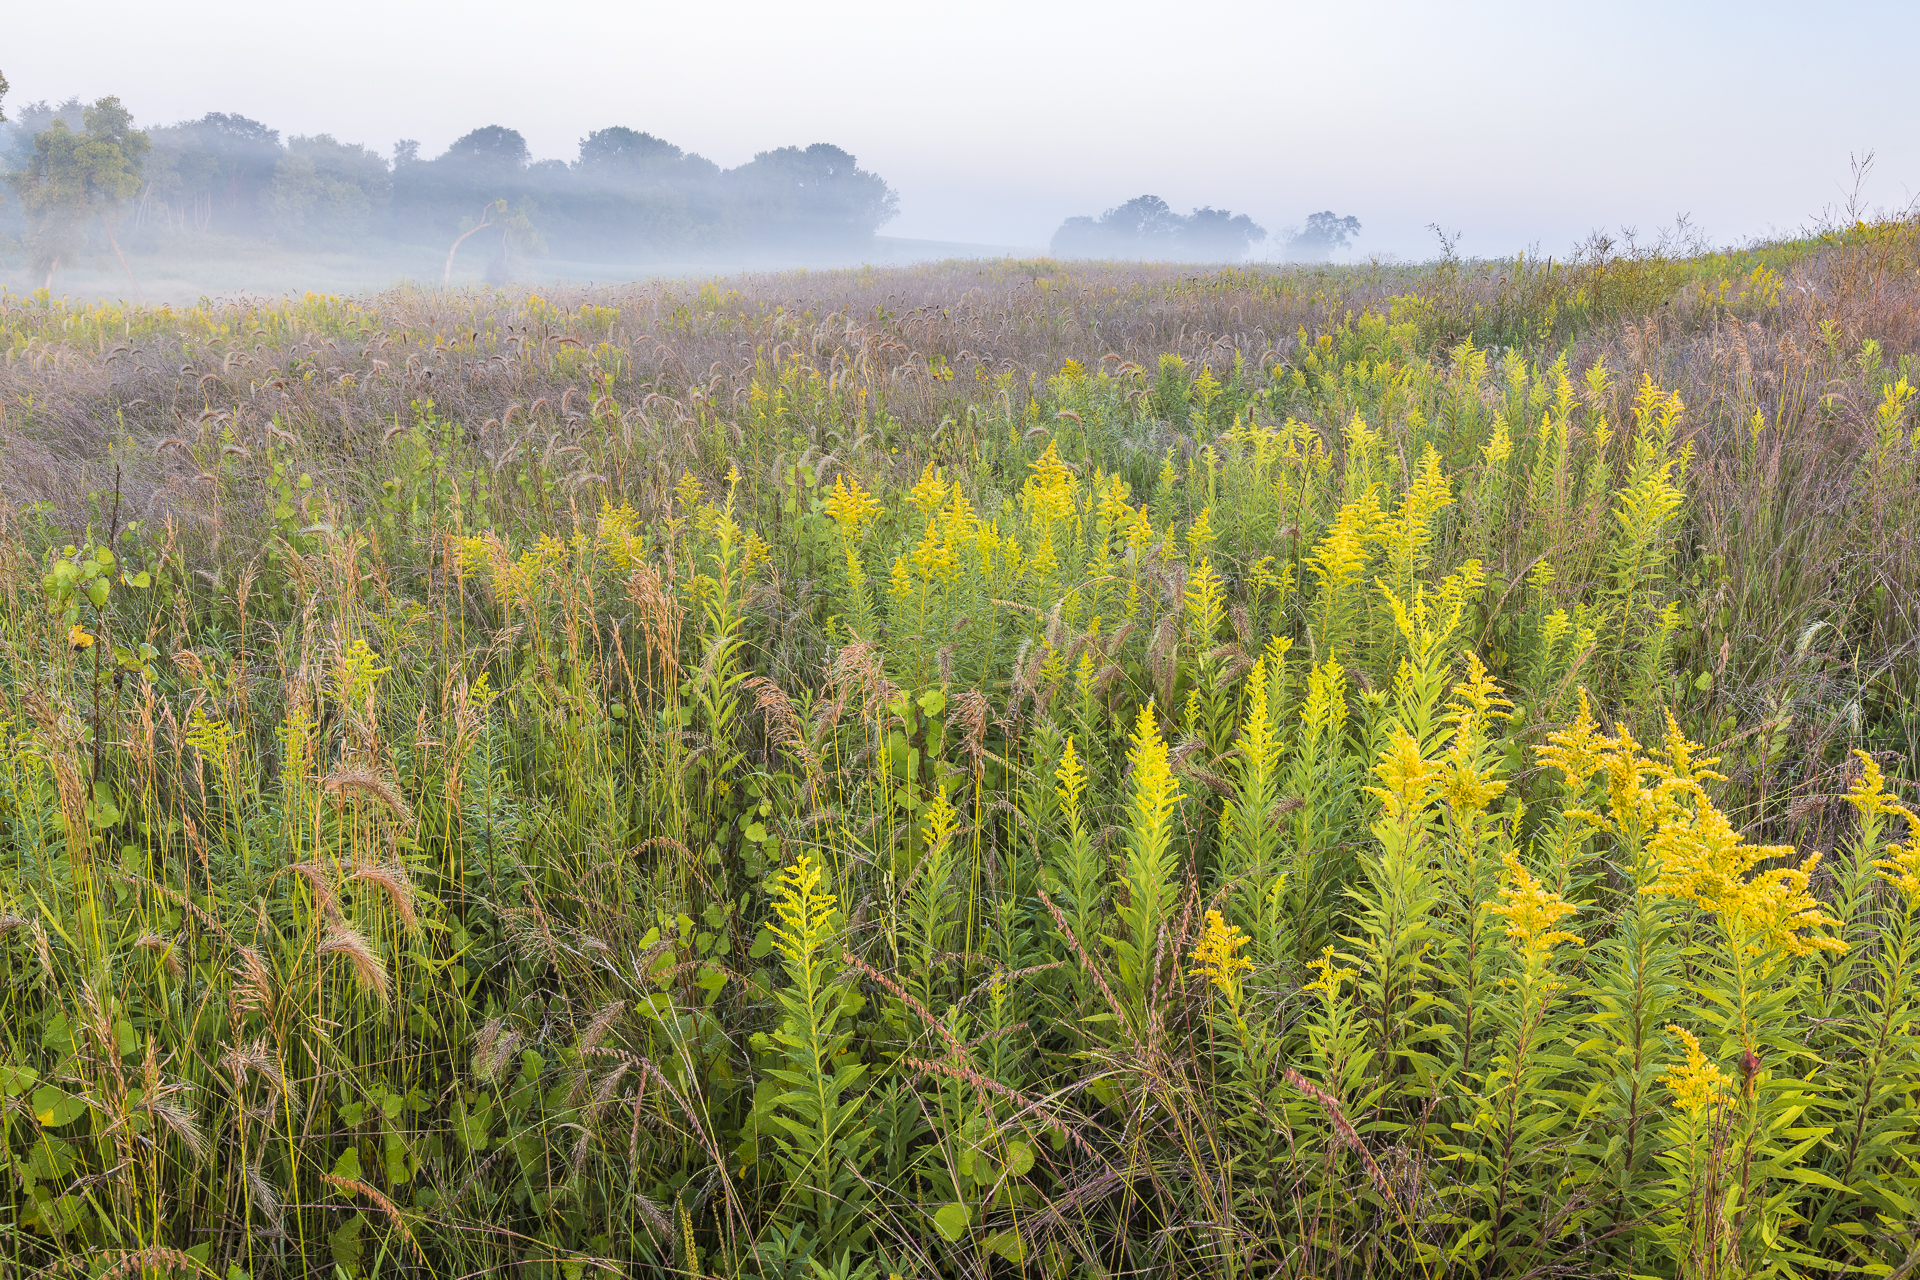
<point x="995" y="768"/>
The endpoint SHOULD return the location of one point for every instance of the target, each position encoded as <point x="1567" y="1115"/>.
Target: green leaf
<point x="54" y="1108"/>
<point x="762" y="945"/>
<point x="952" y="1220"/>
<point x="1008" y="1245"/>
<point x="933" y="702"/>
<point x="347" y="1245"/>
<point x="1019" y="1161"/>
<point x="1818" y="1179"/>
<point x="15" y="1078"/>
<point x="348" y="1165"/>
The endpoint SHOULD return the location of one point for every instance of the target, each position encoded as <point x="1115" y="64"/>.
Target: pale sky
<point x="1517" y="124"/>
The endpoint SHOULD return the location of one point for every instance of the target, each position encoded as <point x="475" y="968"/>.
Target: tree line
<point x="83" y="176"/>
<point x="1147" y="227"/>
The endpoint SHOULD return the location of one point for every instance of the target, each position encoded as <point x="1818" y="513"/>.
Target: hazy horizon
<point x="1515" y="128"/>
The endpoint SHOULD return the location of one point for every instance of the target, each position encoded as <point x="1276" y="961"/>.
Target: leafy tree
<point x="73" y="178"/>
<point x="814" y="198"/>
<point x="1321" y="237"/>
<point x="624" y="150"/>
<point x="324" y="187"/>
<point x="1147" y="227"/>
<point x="211" y="173"/>
<point x="495" y="145"/>
<point x="1219" y="236"/>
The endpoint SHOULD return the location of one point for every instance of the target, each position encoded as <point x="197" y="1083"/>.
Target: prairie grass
<point x="973" y="770"/>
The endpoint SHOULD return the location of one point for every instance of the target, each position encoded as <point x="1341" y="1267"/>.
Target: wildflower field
<point x="991" y="769"/>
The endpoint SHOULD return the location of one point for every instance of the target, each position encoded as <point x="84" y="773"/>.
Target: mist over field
<point x="1330" y="137"/>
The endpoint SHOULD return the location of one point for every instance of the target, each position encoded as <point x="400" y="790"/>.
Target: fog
<point x="1513" y="126"/>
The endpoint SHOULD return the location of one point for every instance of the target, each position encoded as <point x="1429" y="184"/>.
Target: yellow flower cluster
<point x="1407" y="779"/>
<point x="1698" y="1085"/>
<point x="804" y="912"/>
<point x="1072" y="782"/>
<point x="1532" y="911"/>
<point x="1331" y="977"/>
<point x="1477" y="703"/>
<point x="1214" y="956"/>
<point x="1156" y="792"/>
<point x="851" y="507"/>
<point x="1901" y="867"/>
<point x="1707" y="862"/>
<point x="1326" y="709"/>
<point x="1696" y="852"/>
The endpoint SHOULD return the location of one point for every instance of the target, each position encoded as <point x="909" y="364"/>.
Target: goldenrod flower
<point x="1330" y="978"/>
<point x="1901" y="867"/>
<point x="1073" y="781"/>
<point x="1577" y="752"/>
<point x="1477" y="703"/>
<point x="1531" y="911"/>
<point x="1052" y="491"/>
<point x="1703" y="859"/>
<point x="1868" y="793"/>
<point x="850" y="506"/>
<point x="1407" y="779"/>
<point x="1214" y="958"/>
<point x="1326" y="709"/>
<point x="1699" y="1085"/>
<point x="802" y="910"/>
<point x="1156" y="792"/>
<point x="930" y="494"/>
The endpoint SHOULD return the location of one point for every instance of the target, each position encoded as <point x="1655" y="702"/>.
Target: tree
<point x="494" y="145"/>
<point x="326" y="187"/>
<point x="73" y="178"/>
<point x="1323" y="234"/>
<point x="1214" y="235"/>
<point x="625" y="151"/>
<point x="1147" y="227"/>
<point x="816" y="198"/>
<point x="516" y="232"/>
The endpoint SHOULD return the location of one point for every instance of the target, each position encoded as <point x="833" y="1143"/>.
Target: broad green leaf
<point x="1008" y="1245"/>
<point x="952" y="1220"/>
<point x="348" y="1165"/>
<point x="54" y="1108"/>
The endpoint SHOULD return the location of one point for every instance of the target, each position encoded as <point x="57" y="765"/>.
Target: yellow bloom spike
<point x="1901" y="867"/>
<point x="1326" y="709"/>
<point x="850" y="506"/>
<point x="1331" y="978"/>
<point x="1259" y="747"/>
<point x="1214" y="958"/>
<point x="1868" y="793"/>
<point x="931" y="493"/>
<point x="1072" y="782"/>
<point x="1531" y="911"/>
<point x="1703" y="859"/>
<point x="1156" y="791"/>
<point x="1699" y="1085"/>
<point x="1407" y="779"/>
<point x="803" y="911"/>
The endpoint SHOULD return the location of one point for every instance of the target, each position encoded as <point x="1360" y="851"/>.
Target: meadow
<point x="988" y="769"/>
